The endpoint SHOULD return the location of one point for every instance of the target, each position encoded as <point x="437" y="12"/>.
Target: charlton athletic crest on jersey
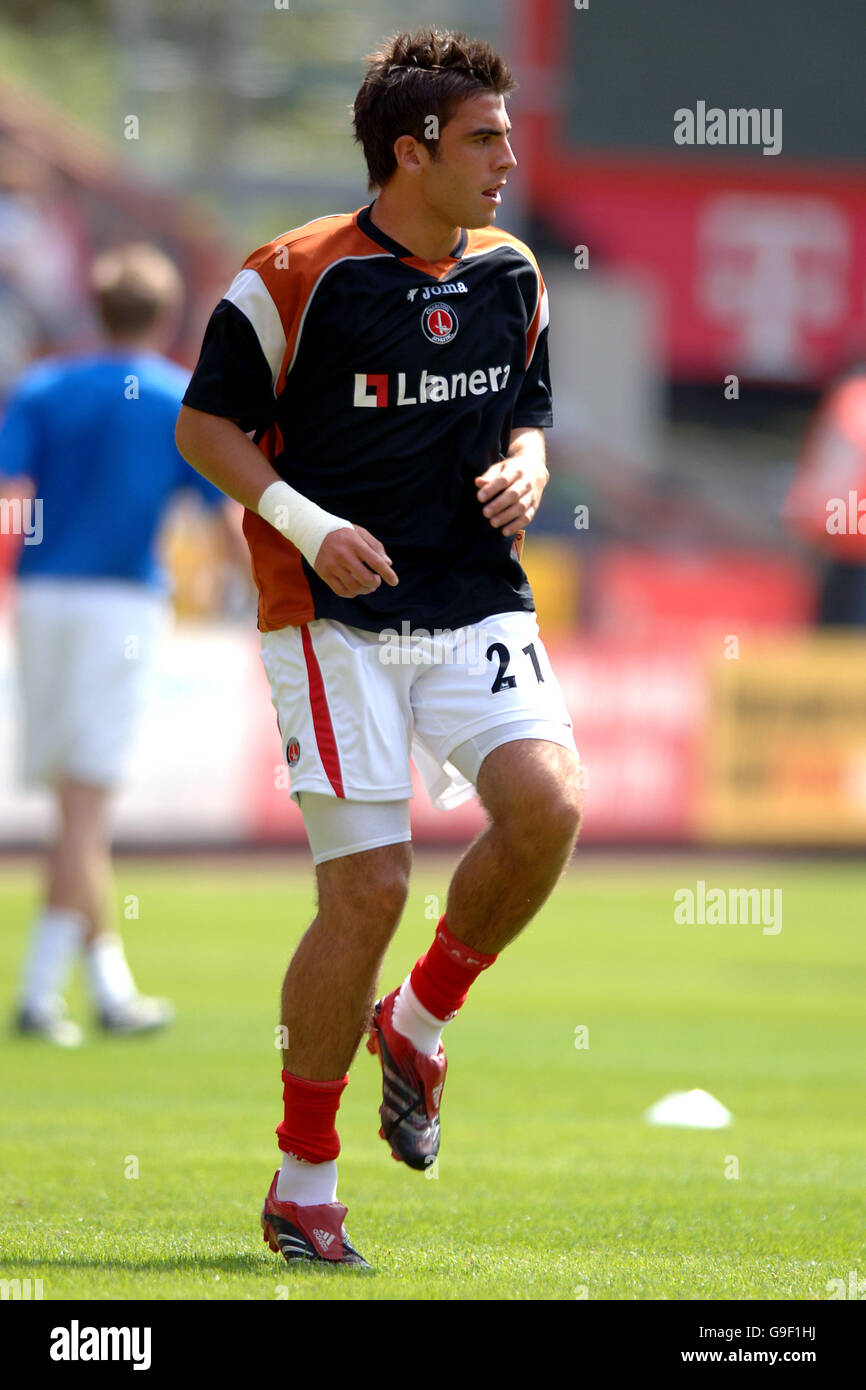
<point x="293" y="751"/>
<point x="439" y="323"/>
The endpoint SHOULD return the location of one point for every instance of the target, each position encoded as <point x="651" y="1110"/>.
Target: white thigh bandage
<point x="336" y="827"/>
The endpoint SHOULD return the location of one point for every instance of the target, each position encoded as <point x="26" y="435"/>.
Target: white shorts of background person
<point x="355" y="708"/>
<point x="86" y="649"/>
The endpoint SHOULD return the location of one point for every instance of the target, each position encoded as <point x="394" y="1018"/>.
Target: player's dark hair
<point x="413" y="77"/>
<point x="133" y="287"/>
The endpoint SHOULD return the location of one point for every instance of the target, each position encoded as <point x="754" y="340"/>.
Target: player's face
<point x="474" y="158"/>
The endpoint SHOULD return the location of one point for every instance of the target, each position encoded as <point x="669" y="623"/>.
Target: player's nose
<point x="508" y="160"/>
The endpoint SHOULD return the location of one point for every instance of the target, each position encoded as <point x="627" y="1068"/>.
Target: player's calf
<point x="330" y="984"/>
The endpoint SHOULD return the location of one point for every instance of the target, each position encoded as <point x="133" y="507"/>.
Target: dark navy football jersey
<point x="380" y="386"/>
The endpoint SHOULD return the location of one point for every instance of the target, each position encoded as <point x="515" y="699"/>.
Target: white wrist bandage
<point x="298" y="519"/>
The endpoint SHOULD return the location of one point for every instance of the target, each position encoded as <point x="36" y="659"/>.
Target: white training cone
<point x="689" y="1109"/>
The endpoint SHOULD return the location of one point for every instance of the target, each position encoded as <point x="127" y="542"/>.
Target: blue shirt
<point x="96" y="436"/>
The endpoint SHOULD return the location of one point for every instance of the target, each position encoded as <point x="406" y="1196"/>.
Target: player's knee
<point x="385" y="889"/>
<point x="370" y="887"/>
<point x="568" y="806"/>
<point x="547" y="811"/>
<point x="558" y="809"/>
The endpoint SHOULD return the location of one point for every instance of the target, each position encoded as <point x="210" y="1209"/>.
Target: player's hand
<point x="510" y="491"/>
<point x="353" y="562"/>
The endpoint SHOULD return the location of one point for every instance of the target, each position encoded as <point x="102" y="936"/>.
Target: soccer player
<point x="391" y="367"/>
<point x="93" y="438"/>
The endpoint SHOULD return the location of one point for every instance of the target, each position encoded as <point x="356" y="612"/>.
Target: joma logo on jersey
<point x="432" y="291"/>
<point x="450" y="287"/>
<point x="375" y="389"/>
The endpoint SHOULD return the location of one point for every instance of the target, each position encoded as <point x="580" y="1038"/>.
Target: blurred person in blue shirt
<point x="93" y="436"/>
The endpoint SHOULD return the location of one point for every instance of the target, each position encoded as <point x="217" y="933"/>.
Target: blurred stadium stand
<point x="678" y="605"/>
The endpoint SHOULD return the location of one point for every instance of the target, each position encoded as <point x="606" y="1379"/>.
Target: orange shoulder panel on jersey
<point x="292" y="265"/>
<point x="482" y="240"/>
<point x="289" y="269"/>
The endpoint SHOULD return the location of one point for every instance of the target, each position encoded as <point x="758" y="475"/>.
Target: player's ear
<point x="409" y="154"/>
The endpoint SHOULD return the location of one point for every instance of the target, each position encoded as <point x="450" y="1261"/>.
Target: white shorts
<point x="354" y="707"/>
<point x="85" y="649"/>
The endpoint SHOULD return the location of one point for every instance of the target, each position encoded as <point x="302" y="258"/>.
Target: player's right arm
<point x="347" y="557"/>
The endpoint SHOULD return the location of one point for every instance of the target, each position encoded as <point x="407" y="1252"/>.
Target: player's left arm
<point x="510" y="490"/>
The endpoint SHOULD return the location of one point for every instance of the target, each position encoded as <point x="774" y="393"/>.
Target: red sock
<point x="308" y="1129"/>
<point x="441" y="979"/>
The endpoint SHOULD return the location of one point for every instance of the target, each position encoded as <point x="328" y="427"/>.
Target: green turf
<point x="550" y="1184"/>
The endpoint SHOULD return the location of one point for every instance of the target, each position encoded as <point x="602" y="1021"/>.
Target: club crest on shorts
<point x="293" y="751"/>
<point x="439" y="323"/>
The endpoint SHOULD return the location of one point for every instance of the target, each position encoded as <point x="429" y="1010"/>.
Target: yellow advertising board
<point x="785" y="757"/>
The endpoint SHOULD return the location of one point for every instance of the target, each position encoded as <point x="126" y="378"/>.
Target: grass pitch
<point x="550" y="1185"/>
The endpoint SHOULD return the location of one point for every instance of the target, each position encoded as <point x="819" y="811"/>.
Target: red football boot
<point x="411" y="1089"/>
<point x="313" y="1235"/>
